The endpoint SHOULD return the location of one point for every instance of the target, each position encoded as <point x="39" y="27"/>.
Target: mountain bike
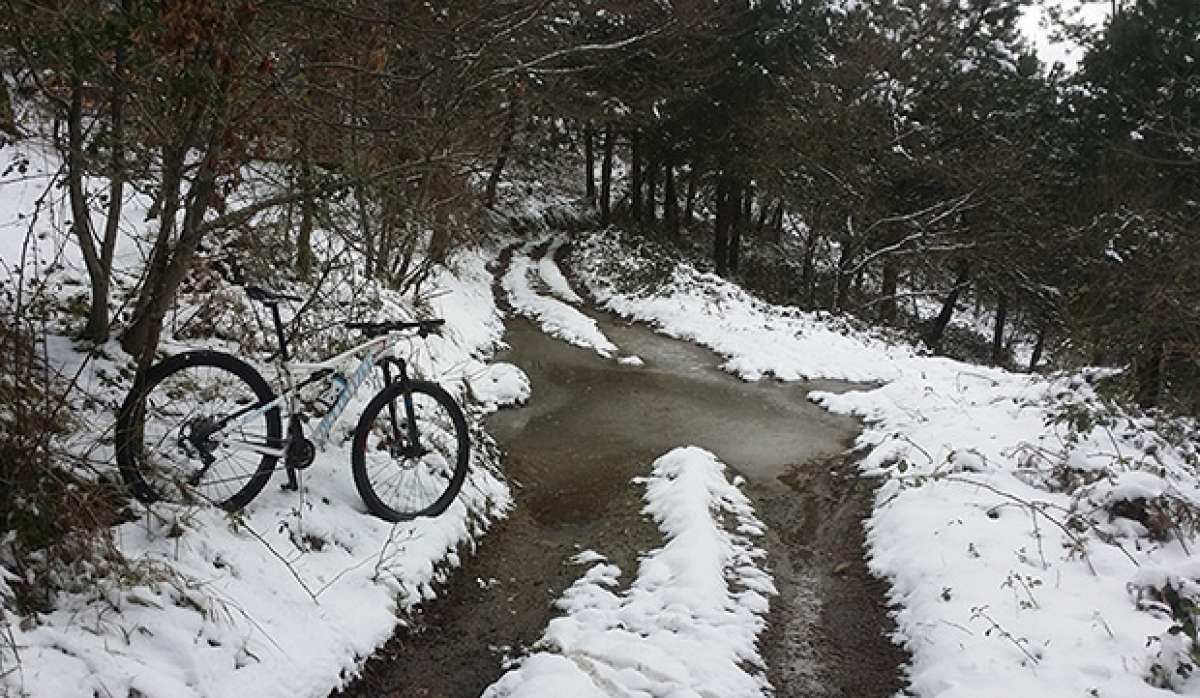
<point x="205" y="427"/>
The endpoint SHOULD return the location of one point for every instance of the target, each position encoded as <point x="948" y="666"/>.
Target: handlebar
<point x="424" y="328"/>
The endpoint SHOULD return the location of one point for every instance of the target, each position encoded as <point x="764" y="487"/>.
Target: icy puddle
<point x="593" y="424"/>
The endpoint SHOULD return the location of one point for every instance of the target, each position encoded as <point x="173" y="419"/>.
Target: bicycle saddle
<point x="262" y="295"/>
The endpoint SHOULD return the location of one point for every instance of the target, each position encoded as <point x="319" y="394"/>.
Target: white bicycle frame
<point x="324" y="372"/>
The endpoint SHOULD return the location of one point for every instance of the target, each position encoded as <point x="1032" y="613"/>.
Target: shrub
<point x="55" y="517"/>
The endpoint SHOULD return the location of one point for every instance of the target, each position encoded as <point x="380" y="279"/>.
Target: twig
<point x="1100" y="619"/>
<point x="981" y="612"/>
<point x="1037" y="536"/>
<point x="286" y="563"/>
<point x="386" y="544"/>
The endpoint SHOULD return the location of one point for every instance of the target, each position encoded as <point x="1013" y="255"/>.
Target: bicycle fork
<point x="411" y="439"/>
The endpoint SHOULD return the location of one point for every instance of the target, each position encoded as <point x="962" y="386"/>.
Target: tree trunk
<point x="887" y="300"/>
<point x="670" y="202"/>
<point x="764" y="209"/>
<point x="721" y="227"/>
<point x="134" y="337"/>
<point x="81" y="223"/>
<point x="1147" y="369"/>
<point x="777" y="224"/>
<point x="652" y="190"/>
<point x="510" y="131"/>
<point x="98" y="323"/>
<point x="841" y="289"/>
<point x="368" y="231"/>
<point x="937" y="326"/>
<point x="748" y="211"/>
<point x="143" y="336"/>
<point x="1039" y="346"/>
<point x="739" y="210"/>
<point x="8" y="123"/>
<point x="304" y="252"/>
<point x="998" y="329"/>
<point x="606" y="178"/>
<point x="806" y="268"/>
<point x="589" y="157"/>
<point x="635" y="187"/>
<point x="387" y="234"/>
<point x="689" y="199"/>
<point x="170" y="263"/>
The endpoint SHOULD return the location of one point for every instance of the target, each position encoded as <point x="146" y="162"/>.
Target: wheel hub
<point x="195" y="438"/>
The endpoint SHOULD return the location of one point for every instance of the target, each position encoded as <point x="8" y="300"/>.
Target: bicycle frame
<point x="326" y="372"/>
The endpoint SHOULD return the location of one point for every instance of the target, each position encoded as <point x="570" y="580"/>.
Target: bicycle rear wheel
<point x="400" y="480"/>
<point x="162" y="448"/>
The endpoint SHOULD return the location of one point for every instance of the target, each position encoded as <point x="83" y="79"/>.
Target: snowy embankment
<point x="553" y="277"/>
<point x="555" y="317"/>
<point x="288" y="597"/>
<point x="688" y="623"/>
<point x="1037" y="540"/>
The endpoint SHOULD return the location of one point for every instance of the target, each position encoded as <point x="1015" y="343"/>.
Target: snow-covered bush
<point x="54" y="513"/>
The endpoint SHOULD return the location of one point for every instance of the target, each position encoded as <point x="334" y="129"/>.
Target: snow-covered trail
<point x="593" y="425"/>
<point x="555" y="312"/>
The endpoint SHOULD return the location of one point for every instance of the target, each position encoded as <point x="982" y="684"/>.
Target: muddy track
<point x="591" y="427"/>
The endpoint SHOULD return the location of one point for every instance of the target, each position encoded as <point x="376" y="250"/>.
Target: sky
<point x="1095" y="12"/>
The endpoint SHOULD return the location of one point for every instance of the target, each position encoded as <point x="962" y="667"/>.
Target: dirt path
<point x="593" y="425"/>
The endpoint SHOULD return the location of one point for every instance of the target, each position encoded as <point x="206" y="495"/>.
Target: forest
<point x="897" y="164"/>
<point x="855" y="157"/>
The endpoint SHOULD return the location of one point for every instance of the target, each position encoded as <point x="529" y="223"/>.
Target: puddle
<point x="584" y="403"/>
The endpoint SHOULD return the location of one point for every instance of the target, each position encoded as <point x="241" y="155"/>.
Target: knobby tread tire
<point x="126" y="447"/>
<point x="358" y="452"/>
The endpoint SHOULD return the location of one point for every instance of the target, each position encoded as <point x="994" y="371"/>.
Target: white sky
<point x="1095" y="12"/>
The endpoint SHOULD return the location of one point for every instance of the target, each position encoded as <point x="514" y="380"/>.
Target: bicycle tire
<point x="133" y="458"/>
<point x="444" y="432"/>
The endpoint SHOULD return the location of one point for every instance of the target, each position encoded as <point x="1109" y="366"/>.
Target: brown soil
<point x="592" y="426"/>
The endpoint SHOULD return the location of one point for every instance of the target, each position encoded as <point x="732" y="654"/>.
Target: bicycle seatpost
<point x="283" y="352"/>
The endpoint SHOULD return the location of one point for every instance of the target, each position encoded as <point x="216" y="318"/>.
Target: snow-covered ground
<point x="553" y="277"/>
<point x="1037" y="539"/>
<point x="556" y="317"/>
<point x="686" y="626"/>
<point x="290" y="596"/>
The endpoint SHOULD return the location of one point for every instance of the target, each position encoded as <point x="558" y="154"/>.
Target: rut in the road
<point x="592" y="425"/>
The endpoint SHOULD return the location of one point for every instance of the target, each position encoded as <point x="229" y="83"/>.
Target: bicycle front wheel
<point x="168" y="443"/>
<point x="400" y="479"/>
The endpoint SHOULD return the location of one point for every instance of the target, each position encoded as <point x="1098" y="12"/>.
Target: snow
<point x="291" y="595"/>
<point x="500" y="385"/>
<point x="1014" y="566"/>
<point x="1028" y="549"/>
<point x="553" y="277"/>
<point x="687" y="625"/>
<point x="556" y="318"/>
<point x="758" y="339"/>
<point x="286" y="599"/>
